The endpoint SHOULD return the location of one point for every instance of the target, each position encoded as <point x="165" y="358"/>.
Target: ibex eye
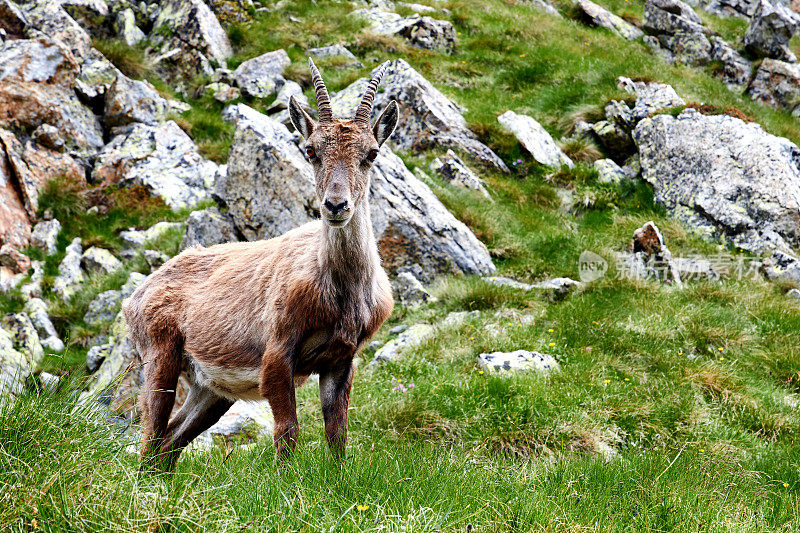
<point x="372" y="155"/>
<point x="310" y="152"/>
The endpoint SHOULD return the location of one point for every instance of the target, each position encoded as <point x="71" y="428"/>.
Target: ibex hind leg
<point x="202" y="409"/>
<point x="162" y="368"/>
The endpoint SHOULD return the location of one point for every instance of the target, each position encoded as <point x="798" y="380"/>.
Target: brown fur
<point x="252" y="320"/>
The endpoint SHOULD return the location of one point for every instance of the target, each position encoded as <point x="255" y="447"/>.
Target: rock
<point x="289" y="89"/>
<point x="222" y="92"/>
<point x="270" y="189"/>
<point x="777" y="83"/>
<point x="690" y="269"/>
<point x="135" y="279"/>
<point x="655" y="45"/>
<point x="609" y="172"/>
<point x="782" y="266"/>
<point x="70" y="275"/>
<point x="736" y="69"/>
<point x="15" y="225"/>
<point x="723" y="176"/>
<point x="555" y="288"/>
<point x="244" y="423"/>
<point x="97" y="75"/>
<point x="137" y="238"/>
<point x="690" y="48"/>
<point x="794" y="294"/>
<point x="155" y="258"/>
<point x="614" y="137"/>
<point x="45" y="236"/>
<point x="335" y="56"/>
<point x="25" y="338"/>
<point x="161" y="158"/>
<point x="653" y="256"/>
<point x="400" y="328"/>
<point x="207" y="228"/>
<point x="427" y="117"/>
<point x="422" y="32"/>
<point x="413" y="336"/>
<point x="409" y="291"/>
<point x="127" y="30"/>
<point x="270" y="186"/>
<point x="12" y="19"/>
<point x="36" y="87"/>
<point x="456" y="318"/>
<point x="13" y="259"/>
<point x="33" y="289"/>
<point x="452" y="168"/>
<point x="36" y="309"/>
<point x="95" y="357"/>
<point x="191" y="28"/>
<point x="535" y="139"/>
<point x="100" y="261"/>
<point x="546" y="7"/>
<point x="518" y="361"/>
<point x="49" y="137"/>
<point x="34" y="165"/>
<point x="14" y="367"/>
<point x="770" y="30"/>
<point x="129" y="101"/>
<point x="669" y="16"/>
<point x="262" y="76"/>
<point x="103" y="308"/>
<point x="736" y="8"/>
<point x="604" y="18"/>
<point x="650" y="97"/>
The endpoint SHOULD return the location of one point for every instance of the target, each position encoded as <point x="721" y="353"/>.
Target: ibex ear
<point x="386" y="123"/>
<point x="300" y="119"/>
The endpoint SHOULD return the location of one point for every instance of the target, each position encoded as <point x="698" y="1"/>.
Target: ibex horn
<point x="323" y="101"/>
<point x="365" y="107"/>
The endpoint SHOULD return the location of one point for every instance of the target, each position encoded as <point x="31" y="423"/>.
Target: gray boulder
<point x="14" y="367"/>
<point x="207" y="228"/>
<point x="770" y="30"/>
<point x="222" y="92"/>
<point x="262" y="76"/>
<point x="535" y="139"/>
<point x="36" y="309"/>
<point x="26" y="340"/>
<point x="723" y="176"/>
<point x="732" y="8"/>
<point x="736" y="70"/>
<point x="190" y="28"/>
<point x="422" y="32"/>
<point x="609" y="172"/>
<point x="128" y="31"/>
<point x="134" y="280"/>
<point x="602" y="17"/>
<point x="37" y="81"/>
<point x="155" y="258"/>
<point x="96" y="355"/>
<point x="129" y="101"/>
<point x="45" y="236"/>
<point x="409" y="291"/>
<point x="690" y="48"/>
<point x="270" y="189"/>
<point x="505" y="363"/>
<point x="103" y="308"/>
<point x="427" y="117"/>
<point x="336" y="56"/>
<point x="70" y="276"/>
<point x="650" y="97"/>
<point x="138" y="238"/>
<point x="453" y="169"/>
<point x="244" y="423"/>
<point x="413" y="336"/>
<point x="670" y="16"/>
<point x="100" y="261"/>
<point x="652" y="255"/>
<point x="777" y="83"/>
<point x="163" y="159"/>
<point x="33" y="289"/>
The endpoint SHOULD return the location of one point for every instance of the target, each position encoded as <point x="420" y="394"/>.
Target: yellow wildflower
<point x="552" y="344"/>
<point x="480" y="372"/>
<point x="362" y="508"/>
<point x="550" y="330"/>
<point x="606" y="381"/>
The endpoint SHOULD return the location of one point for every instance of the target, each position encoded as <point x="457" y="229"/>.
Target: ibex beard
<point x="253" y="320"/>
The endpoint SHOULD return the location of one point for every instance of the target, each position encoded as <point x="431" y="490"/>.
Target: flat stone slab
<point x="518" y="361"/>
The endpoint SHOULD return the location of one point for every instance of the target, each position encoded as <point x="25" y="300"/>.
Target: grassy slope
<point x="703" y="443"/>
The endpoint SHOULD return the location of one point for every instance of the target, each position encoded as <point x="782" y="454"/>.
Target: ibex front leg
<point x="334" y="392"/>
<point x="277" y="386"/>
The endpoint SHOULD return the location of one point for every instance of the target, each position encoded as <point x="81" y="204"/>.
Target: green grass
<point x="674" y="410"/>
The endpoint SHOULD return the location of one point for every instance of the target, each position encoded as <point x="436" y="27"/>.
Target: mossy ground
<point x="675" y="409"/>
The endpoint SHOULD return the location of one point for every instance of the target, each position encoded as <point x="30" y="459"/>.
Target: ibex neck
<point x="351" y="251"/>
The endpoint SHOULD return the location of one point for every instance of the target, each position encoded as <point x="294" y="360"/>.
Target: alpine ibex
<point x="253" y="320"/>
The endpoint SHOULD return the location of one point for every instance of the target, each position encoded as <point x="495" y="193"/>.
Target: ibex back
<point x="254" y="320"/>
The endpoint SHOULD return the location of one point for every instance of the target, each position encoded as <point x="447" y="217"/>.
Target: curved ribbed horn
<point x="365" y="107"/>
<point x="323" y="101"/>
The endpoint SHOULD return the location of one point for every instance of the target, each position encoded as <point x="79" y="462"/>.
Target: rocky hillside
<point x="590" y="215"/>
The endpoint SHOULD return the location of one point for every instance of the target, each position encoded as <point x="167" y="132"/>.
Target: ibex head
<point x="342" y="151"/>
